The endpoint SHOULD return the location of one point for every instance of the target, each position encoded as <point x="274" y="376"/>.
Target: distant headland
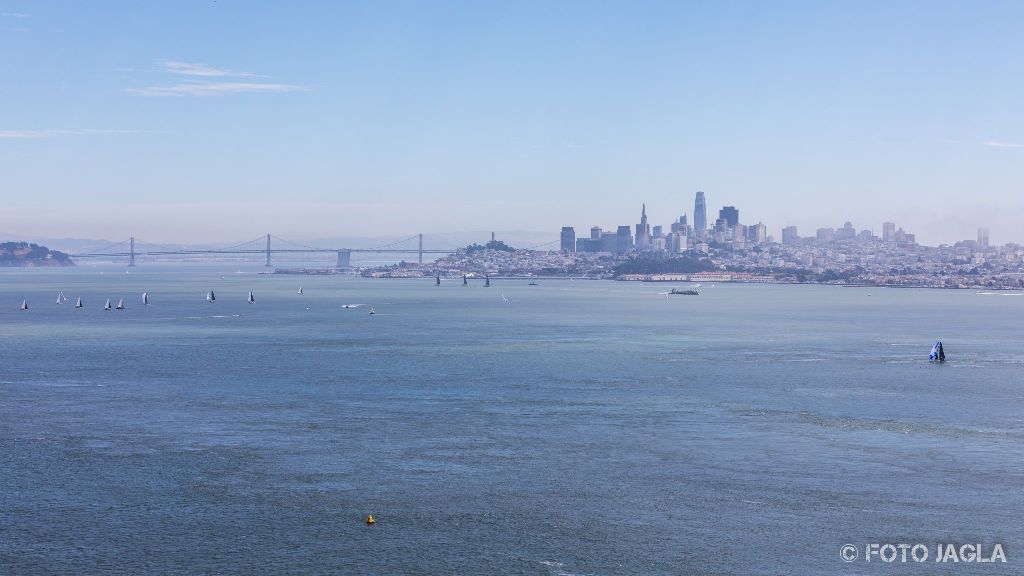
<point x="24" y="254"/>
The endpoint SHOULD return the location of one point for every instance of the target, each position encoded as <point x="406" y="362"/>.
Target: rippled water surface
<point x="580" y="428"/>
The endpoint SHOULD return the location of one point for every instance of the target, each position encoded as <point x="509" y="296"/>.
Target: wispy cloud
<point x="1002" y="144"/>
<point x="196" y="69"/>
<point x="50" y="132"/>
<point x="200" y="86"/>
<point x="14" y="15"/>
<point x="213" y="88"/>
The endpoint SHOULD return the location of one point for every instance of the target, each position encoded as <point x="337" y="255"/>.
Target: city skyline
<point x="324" y="119"/>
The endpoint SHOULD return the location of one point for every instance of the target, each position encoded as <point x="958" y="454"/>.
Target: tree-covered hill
<point x="25" y="254"/>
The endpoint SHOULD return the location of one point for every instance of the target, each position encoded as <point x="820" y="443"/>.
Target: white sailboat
<point x="251" y="299"/>
<point x="107" y="305"/>
<point x="61" y="298"/>
<point x="78" y="303"/>
<point x="300" y="291"/>
<point x="120" y="304"/>
<point x="24" y="305"/>
<point x="145" y="298"/>
<point x="210" y="297"/>
<point x="372" y="311"/>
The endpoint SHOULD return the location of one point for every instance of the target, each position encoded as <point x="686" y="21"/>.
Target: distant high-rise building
<point x="588" y="245"/>
<point x="731" y="215"/>
<point x="847" y="232"/>
<point x="568" y="239"/>
<point x="789" y="235"/>
<point x="595" y="233"/>
<point x="657" y="232"/>
<point x="680" y="226"/>
<point x="982" y="238"/>
<point x="624" y="241"/>
<point x="888" y="232"/>
<point x="643" y="231"/>
<point x="826" y="235"/>
<point x="757" y="233"/>
<point x="609" y="242"/>
<point x="700" y="216"/>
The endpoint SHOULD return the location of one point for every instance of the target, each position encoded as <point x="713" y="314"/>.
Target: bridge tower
<point x="268" y="251"/>
<point x="421" y="249"/>
<point x="131" y="252"/>
<point x="344" y="259"/>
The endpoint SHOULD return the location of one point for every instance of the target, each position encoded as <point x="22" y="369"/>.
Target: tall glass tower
<point x="700" y="216"/>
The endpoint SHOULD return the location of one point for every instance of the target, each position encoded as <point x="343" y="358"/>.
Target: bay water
<point x="580" y="427"/>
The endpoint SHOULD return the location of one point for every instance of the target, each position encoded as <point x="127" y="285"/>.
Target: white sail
<point x="24" y="305"/>
<point x="300" y="291"/>
<point x="120" y="304"/>
<point x="61" y="298"/>
<point x="107" y="305"/>
<point x="251" y="299"/>
<point x="145" y="298"/>
<point x="210" y="296"/>
<point x="78" y="303"/>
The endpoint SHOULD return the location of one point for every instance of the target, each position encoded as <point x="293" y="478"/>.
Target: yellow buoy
<point x="370" y="520"/>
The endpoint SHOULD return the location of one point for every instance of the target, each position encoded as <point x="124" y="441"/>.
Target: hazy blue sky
<point x="221" y="120"/>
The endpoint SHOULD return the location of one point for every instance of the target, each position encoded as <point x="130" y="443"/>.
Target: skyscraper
<point x="758" y="233"/>
<point x="643" y="231"/>
<point x="888" y="232"/>
<point x="568" y="239"/>
<point x="983" y="238"/>
<point x="731" y="215"/>
<point x="700" y="217"/>
<point x="624" y="242"/>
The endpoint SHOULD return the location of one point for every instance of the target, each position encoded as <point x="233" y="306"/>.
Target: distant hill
<point x="25" y="254"/>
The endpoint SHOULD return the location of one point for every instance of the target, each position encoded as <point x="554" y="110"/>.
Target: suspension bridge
<point x="265" y="246"/>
